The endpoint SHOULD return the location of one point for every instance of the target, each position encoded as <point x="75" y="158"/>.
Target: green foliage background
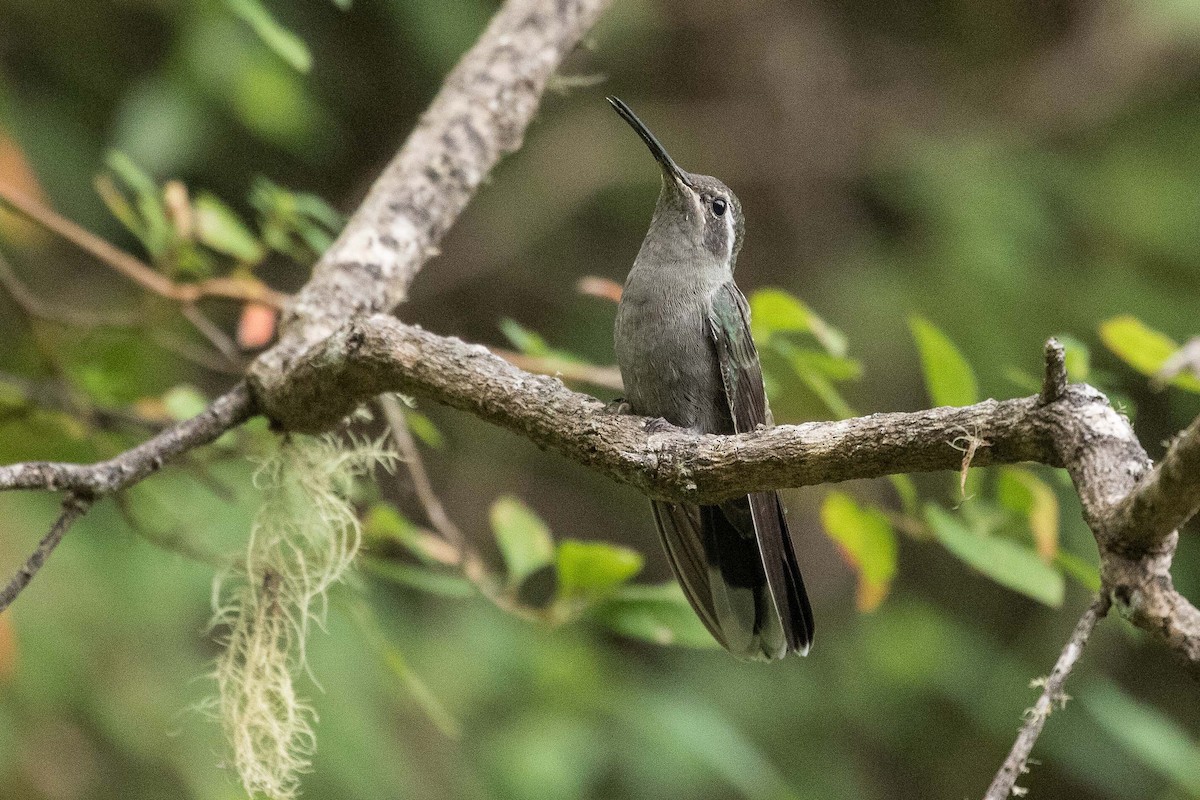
<point x="979" y="174"/>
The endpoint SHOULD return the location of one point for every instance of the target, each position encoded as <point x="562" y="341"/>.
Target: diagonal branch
<point x="105" y="477"/>
<point x="1052" y="693"/>
<point x="1166" y="498"/>
<point x="74" y="506"/>
<point x="479" y="116"/>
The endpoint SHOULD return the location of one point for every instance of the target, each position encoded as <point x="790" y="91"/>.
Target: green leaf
<point x="592" y="569"/>
<point x="906" y="489"/>
<point x="1154" y="738"/>
<point x="1085" y="573"/>
<point x="523" y="538"/>
<point x="383" y="523"/>
<point x="1025" y="493"/>
<point x="421" y="578"/>
<point x="279" y="39"/>
<point x="183" y="402"/>
<point x="149" y="222"/>
<point x="1144" y="349"/>
<point x="218" y="227"/>
<point x="659" y="614"/>
<point x="776" y="311"/>
<point x="949" y="379"/>
<point x="812" y="375"/>
<point x="1004" y="561"/>
<point x="868" y="542"/>
<point x="1077" y="357"/>
<point x="525" y="340"/>
<point x="423" y="428"/>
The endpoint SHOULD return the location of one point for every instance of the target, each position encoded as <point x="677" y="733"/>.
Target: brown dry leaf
<point x="17" y="175"/>
<point x="256" y="327"/>
<point x="8" y="649"/>
<point x="600" y="287"/>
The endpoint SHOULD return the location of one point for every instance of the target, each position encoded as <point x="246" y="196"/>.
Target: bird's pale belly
<point x="669" y="367"/>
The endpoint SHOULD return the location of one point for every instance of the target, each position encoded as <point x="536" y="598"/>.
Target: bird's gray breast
<point x="666" y="355"/>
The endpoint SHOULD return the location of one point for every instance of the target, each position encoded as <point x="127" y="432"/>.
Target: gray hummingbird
<point x="683" y="344"/>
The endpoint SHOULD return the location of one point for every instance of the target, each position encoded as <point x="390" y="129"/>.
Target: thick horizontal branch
<point x="106" y="477"/>
<point x="382" y="354"/>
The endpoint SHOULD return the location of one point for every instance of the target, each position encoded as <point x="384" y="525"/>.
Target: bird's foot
<point x="660" y="425"/>
<point x="618" y="406"/>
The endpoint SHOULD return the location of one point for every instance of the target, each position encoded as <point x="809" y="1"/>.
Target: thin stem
<point x="74" y="506"/>
<point x="133" y="268"/>
<point x="1052" y="693"/>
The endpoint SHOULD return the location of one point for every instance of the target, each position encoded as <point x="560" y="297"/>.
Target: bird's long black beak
<point x="656" y="149"/>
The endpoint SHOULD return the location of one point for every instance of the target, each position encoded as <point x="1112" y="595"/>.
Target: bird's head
<point x="698" y="207"/>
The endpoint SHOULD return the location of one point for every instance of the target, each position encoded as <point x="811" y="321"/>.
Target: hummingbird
<point x="683" y="344"/>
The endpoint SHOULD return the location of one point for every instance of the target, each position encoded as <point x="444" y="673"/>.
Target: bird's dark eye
<point x="719" y="207"/>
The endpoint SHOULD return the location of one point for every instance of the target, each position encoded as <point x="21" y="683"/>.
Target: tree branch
<point x="1166" y="498"/>
<point x="479" y="116"/>
<point x="106" y="477"/>
<point x="1052" y="693"/>
<point x="74" y="506"/>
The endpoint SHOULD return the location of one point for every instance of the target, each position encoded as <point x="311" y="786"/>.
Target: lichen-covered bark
<point x="479" y="116"/>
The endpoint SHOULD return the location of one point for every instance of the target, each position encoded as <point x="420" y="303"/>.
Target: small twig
<point x="590" y="374"/>
<point x="37" y="308"/>
<point x="434" y="510"/>
<point x="105" y="477"/>
<point x="211" y="331"/>
<point x="1052" y="693"/>
<point x="133" y="268"/>
<point x="1054" y="385"/>
<point x="467" y="559"/>
<point x="74" y="506"/>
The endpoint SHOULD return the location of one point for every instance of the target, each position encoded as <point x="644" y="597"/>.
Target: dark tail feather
<point x="782" y="572"/>
<point x="738" y="569"/>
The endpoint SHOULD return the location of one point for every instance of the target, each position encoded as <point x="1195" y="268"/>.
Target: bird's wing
<point x="741" y="378"/>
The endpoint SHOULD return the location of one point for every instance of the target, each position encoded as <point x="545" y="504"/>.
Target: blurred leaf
<point x="17" y="174"/>
<point x="1077" y="357"/>
<point x="906" y="489"/>
<point x="1150" y="735"/>
<point x="523" y="339"/>
<point x="344" y="5"/>
<point x="1085" y="573"/>
<point x="256" y="325"/>
<point x="421" y="578"/>
<point x="659" y="613"/>
<point x="8" y="649"/>
<point x="949" y="379"/>
<point x="384" y="523"/>
<point x="592" y="569"/>
<point x="397" y="664"/>
<point x="1027" y="494"/>
<point x="423" y="428"/>
<point x="867" y="541"/>
<point x="146" y="218"/>
<point x="776" y="311"/>
<point x="183" y="402"/>
<point x="812" y="372"/>
<point x="218" y="227"/>
<point x="283" y="42"/>
<point x="523" y="538"/>
<point x="298" y="224"/>
<point x="1143" y="348"/>
<point x="1002" y="560"/>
